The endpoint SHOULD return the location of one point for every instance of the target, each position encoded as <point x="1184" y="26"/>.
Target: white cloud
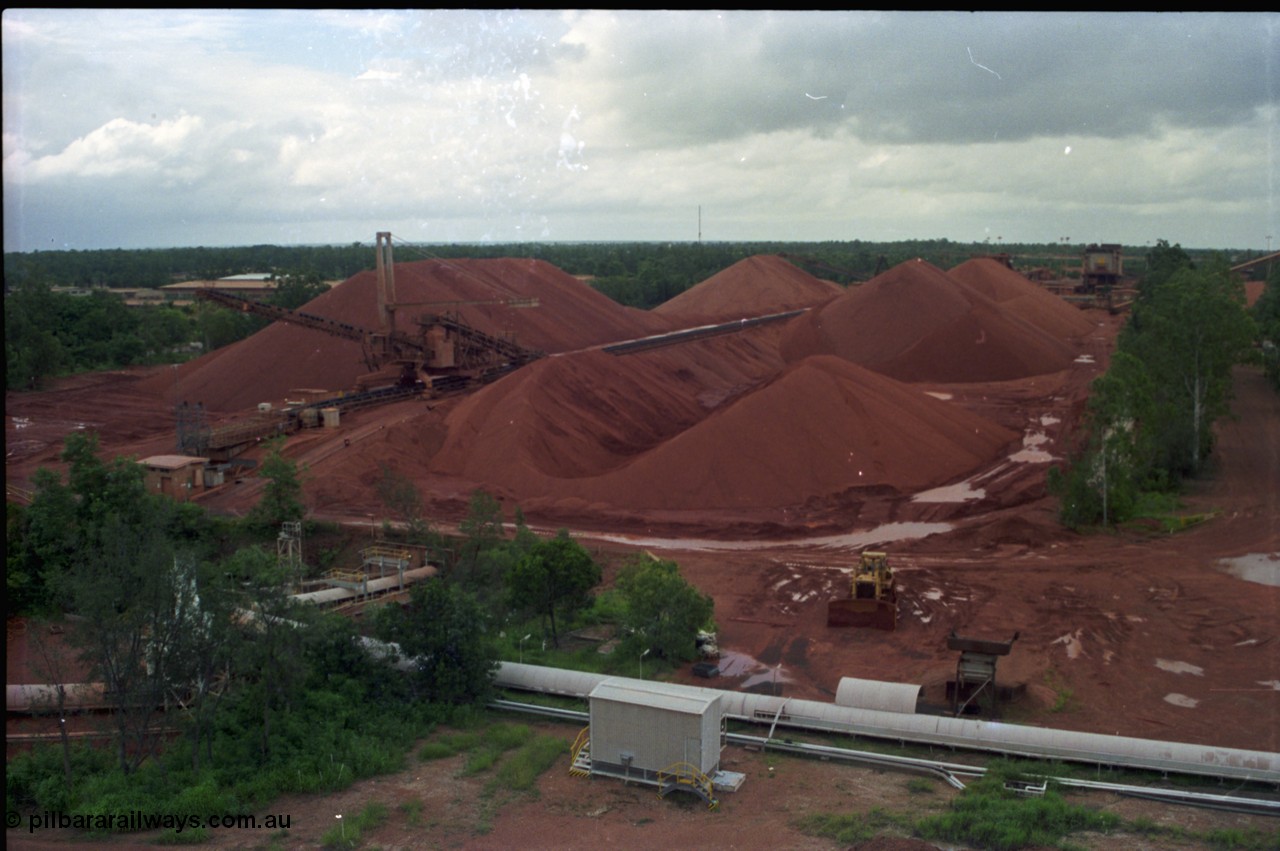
<point x="615" y="125"/>
<point x="117" y="147"/>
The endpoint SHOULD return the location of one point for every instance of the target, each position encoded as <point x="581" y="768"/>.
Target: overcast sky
<point x="154" y="128"/>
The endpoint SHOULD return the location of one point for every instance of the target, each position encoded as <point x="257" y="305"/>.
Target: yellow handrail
<point x="582" y="741"/>
<point x="688" y="774"/>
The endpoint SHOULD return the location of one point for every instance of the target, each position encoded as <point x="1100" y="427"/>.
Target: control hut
<point x="643" y="730"/>
<point x="175" y="476"/>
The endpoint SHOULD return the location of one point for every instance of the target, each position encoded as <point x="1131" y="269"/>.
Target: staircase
<point x="685" y="776"/>
<point x="580" y="754"/>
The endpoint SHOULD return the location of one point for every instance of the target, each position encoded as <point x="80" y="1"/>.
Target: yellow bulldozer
<point x="873" y="602"/>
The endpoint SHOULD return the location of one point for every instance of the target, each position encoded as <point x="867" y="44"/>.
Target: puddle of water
<point x="1074" y="647"/>
<point x="1181" y="700"/>
<point x="943" y="396"/>
<point x="962" y="492"/>
<point x="1263" y="568"/>
<point x="735" y="664"/>
<point x="848" y="540"/>
<point x="1179" y="667"/>
<point x="1029" y="454"/>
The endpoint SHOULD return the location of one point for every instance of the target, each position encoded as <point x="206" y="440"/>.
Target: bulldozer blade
<point x="873" y="614"/>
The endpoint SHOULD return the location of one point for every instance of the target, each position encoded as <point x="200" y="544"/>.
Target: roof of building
<point x="675" y="698"/>
<point x="221" y="284"/>
<point x="172" y="462"/>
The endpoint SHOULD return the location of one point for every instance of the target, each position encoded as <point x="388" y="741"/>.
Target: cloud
<point x="117" y="147"/>
<point x="463" y="124"/>
<point x="921" y="78"/>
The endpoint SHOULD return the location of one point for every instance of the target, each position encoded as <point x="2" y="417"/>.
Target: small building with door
<point x="640" y="729"/>
<point x="176" y="476"/>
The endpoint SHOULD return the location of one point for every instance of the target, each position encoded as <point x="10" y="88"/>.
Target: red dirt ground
<point x="736" y="456"/>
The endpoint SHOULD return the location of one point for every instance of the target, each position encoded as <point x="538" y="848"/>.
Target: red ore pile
<point x="764" y="283"/>
<point x="1023" y="298"/>
<point x="284" y="357"/>
<point x="916" y="323"/>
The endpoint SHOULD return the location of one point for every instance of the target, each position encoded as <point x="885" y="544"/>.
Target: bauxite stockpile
<point x="917" y="323"/>
<point x="823" y="428"/>
<point x="1020" y="297"/>
<point x="283" y="357"/>
<point x="645" y="432"/>
<point x="764" y="283"/>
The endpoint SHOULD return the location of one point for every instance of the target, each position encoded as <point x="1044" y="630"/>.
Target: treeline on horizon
<point x="637" y="274"/>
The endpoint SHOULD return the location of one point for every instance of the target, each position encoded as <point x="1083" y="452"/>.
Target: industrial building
<point x="661" y="734"/>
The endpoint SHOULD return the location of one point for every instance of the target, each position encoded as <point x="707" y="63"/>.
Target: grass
<point x="516" y="755"/>
<point x="921" y="786"/>
<point x="850" y="828"/>
<point x="412" y="811"/>
<point x="1163" y="509"/>
<point x="1064" y="699"/>
<point x="521" y="771"/>
<point x="987" y="815"/>
<point x="349" y="831"/>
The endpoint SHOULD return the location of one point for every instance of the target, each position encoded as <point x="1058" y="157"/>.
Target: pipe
<point x="327" y="596"/>
<point x="36" y="698"/>
<point x="992" y="736"/>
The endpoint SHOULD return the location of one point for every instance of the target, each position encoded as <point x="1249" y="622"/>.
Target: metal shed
<point x="640" y="729"/>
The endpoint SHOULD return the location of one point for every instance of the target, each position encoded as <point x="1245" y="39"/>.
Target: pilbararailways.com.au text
<point x="136" y="820"/>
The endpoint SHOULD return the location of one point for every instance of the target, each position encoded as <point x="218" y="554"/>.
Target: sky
<point x="155" y="128"/>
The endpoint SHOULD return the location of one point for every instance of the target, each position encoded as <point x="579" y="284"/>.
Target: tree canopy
<point x="553" y="576"/>
<point x="1150" y="417"/>
<point x="662" y="612"/>
<point x="444" y="632"/>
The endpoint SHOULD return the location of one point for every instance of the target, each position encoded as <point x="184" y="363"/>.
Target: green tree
<point x="443" y="632"/>
<point x="1266" y="315"/>
<point x="120" y="570"/>
<point x="32" y="351"/>
<point x="482" y="531"/>
<point x="401" y="497"/>
<point x="269" y="660"/>
<point x="1105" y="480"/>
<point x="1163" y="262"/>
<point x="1188" y="334"/>
<point x="295" y="289"/>
<point x="281" y="500"/>
<point x="553" y="576"/>
<point x="663" y="612"/>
